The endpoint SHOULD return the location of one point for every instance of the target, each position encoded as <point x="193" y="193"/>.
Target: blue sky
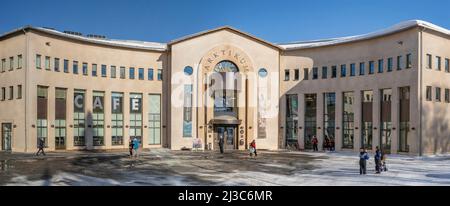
<point x="272" y="20"/>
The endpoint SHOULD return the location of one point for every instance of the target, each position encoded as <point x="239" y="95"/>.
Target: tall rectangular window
<point x="408" y="61"/>
<point x="160" y="75"/>
<point x="447" y="95"/>
<point x="343" y="70"/>
<point x="19" y="91"/>
<point x="286" y="75"/>
<point x="150" y="74"/>
<point x="291" y="119"/>
<point x="385" y="120"/>
<point x="310" y="119"/>
<point x="98" y="118"/>
<point x="60" y="118"/>
<point x="404" y="96"/>
<point x="11" y="92"/>
<point x="103" y="70"/>
<point x="94" y="70"/>
<point x="117" y="118"/>
<point x="85" y="69"/>
<point x="136" y="117"/>
<point x="42" y="124"/>
<point x="399" y="63"/>
<point x="428" y="93"/>
<point x="352" y="70"/>
<point x="79" y="118"/>
<point x="371" y="67"/>
<point x="131" y="73"/>
<point x="390" y="64"/>
<point x="187" y="111"/>
<point x="3" y="65"/>
<point x="367" y="119"/>
<point x="362" y="69"/>
<point x="333" y="71"/>
<point x="3" y="93"/>
<point x="19" y="61"/>
<point x="66" y="66"/>
<point x="438" y="63"/>
<point x="315" y="73"/>
<point x="141" y="73"/>
<point x="296" y="74"/>
<point x="447" y="65"/>
<point x="113" y="72"/>
<point x="122" y="72"/>
<point x="429" y="61"/>
<point x="380" y="66"/>
<point x="305" y="74"/>
<point x="348" y="120"/>
<point x="329" y="119"/>
<point x="324" y="72"/>
<point x="56" y="65"/>
<point x="75" y="67"/>
<point x="47" y="63"/>
<point x="154" y="119"/>
<point x="38" y="61"/>
<point x="11" y="63"/>
<point x="438" y="94"/>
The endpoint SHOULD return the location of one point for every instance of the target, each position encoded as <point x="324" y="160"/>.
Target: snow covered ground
<point x="164" y="167"/>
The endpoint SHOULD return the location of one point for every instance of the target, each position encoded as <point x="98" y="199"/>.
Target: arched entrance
<point x="225" y="94"/>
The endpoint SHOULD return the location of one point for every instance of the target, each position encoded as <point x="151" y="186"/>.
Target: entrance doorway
<point x="228" y="133"/>
<point x="6" y="136"/>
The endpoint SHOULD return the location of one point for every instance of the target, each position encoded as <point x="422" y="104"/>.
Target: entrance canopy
<point x="225" y="120"/>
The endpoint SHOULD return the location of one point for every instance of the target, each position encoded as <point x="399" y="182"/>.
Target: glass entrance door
<point x="229" y="136"/>
<point x="6" y="136"/>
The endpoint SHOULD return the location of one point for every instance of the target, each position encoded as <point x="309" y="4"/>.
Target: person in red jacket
<point x="253" y="148"/>
<point x="315" y="143"/>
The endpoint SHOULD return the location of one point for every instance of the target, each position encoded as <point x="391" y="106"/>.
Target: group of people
<point x="328" y="144"/>
<point x="380" y="161"/>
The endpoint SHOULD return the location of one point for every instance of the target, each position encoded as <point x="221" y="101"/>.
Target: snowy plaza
<point x="161" y="167"/>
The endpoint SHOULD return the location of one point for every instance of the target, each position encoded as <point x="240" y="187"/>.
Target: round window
<point x="262" y="72"/>
<point x="188" y="70"/>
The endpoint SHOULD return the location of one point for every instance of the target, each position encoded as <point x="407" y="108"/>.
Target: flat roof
<point x="155" y="46"/>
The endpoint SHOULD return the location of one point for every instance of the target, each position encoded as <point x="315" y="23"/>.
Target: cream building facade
<point x="388" y="88"/>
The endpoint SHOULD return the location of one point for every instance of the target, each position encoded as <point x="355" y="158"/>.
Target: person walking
<point x="363" y="157"/>
<point x="377" y="160"/>
<point x="315" y="143"/>
<point x="130" y="147"/>
<point x="41" y="145"/>
<point x="253" y="148"/>
<point x="332" y="144"/>
<point x="326" y="144"/>
<point x="221" y="142"/>
<point x="136" y="147"/>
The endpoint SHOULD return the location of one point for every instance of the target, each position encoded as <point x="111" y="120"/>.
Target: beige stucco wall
<point x="13" y="111"/>
<point x="192" y="51"/>
<point x="356" y="52"/>
<point x="76" y="51"/>
<point x="435" y="115"/>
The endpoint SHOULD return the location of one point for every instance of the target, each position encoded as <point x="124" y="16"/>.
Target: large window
<point x="94" y="70"/>
<point x="367" y="119"/>
<point x="131" y="73"/>
<point x="79" y="120"/>
<point x="296" y="74"/>
<point x="56" y="65"/>
<point x="117" y="118"/>
<point x="343" y="70"/>
<point x="141" y="73"/>
<point x="438" y="63"/>
<point x="348" y="120"/>
<point x="315" y="73"/>
<point x="438" y="94"/>
<point x="429" y="61"/>
<point x="19" y="61"/>
<point x="85" y="69"/>
<point x="386" y="123"/>
<point x="38" y="62"/>
<point x="324" y="72"/>
<point x="305" y="74"/>
<point x="404" y="119"/>
<point x="333" y="71"/>
<point x="60" y="118"/>
<point x="399" y="62"/>
<point x="408" y="61"/>
<point x="352" y="70"/>
<point x="220" y="107"/>
<point x="122" y="72"/>
<point x="75" y="67"/>
<point x="362" y="68"/>
<point x="154" y="119"/>
<point x="47" y="63"/>
<point x="150" y="74"/>
<point x="42" y="124"/>
<point x="66" y="66"/>
<point x="104" y="70"/>
<point x="98" y="118"/>
<point x="310" y="119"/>
<point x="113" y="71"/>
<point x="371" y="67"/>
<point x="291" y="119"/>
<point x="380" y="66"/>
<point x="329" y="116"/>
<point x="136" y="116"/>
<point x="390" y="64"/>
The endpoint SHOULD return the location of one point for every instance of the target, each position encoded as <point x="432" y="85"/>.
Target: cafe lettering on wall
<point x="117" y="105"/>
<point x="226" y="53"/>
<point x="98" y="103"/>
<point x="135" y="105"/>
<point x="78" y="102"/>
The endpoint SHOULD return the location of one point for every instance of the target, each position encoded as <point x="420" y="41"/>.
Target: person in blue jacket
<point x="378" y="160"/>
<point x="135" y="147"/>
<point x="363" y="157"/>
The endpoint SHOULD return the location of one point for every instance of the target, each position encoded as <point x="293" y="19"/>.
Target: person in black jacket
<point x="363" y="157"/>
<point x="221" y="143"/>
<point x="41" y="145"/>
<point x="378" y="160"/>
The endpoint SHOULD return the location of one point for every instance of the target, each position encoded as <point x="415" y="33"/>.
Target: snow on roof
<point x="396" y="28"/>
